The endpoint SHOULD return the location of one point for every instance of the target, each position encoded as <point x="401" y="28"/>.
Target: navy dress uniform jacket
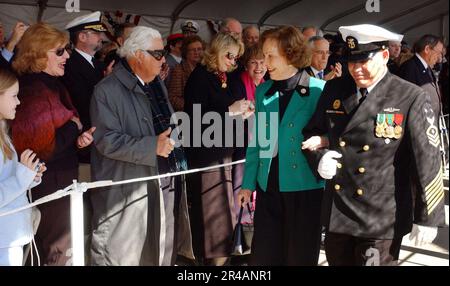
<point x="80" y="79"/>
<point x="371" y="195"/>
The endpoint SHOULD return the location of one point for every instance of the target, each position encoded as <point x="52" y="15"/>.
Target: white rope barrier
<point x="83" y="187"/>
<point x="76" y="191"/>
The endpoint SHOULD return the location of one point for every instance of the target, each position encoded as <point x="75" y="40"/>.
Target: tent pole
<point x="42" y="6"/>
<point x="178" y="11"/>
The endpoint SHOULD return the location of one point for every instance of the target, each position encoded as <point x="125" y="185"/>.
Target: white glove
<point x="328" y="164"/>
<point x="422" y="235"/>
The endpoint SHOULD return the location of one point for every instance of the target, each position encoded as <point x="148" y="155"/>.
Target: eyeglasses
<point x="322" y="53"/>
<point x="60" y="52"/>
<point x="441" y="52"/>
<point x="157" y="54"/>
<point x="231" y="56"/>
<point x="195" y="50"/>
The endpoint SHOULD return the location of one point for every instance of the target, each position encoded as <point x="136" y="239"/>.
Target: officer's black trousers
<point x="346" y="250"/>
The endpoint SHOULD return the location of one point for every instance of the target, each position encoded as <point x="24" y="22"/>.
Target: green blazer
<point x="294" y="171"/>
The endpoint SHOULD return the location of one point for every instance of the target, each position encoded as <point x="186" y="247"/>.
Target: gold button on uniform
<point x="342" y="144"/>
<point x="366" y="148"/>
<point x="337" y="187"/>
<point x="361" y="170"/>
<point x="292" y="139"/>
<point x="360" y="192"/>
<point x="339" y="165"/>
<point x="294" y="166"/>
<point x="293" y="153"/>
<point x="291" y="125"/>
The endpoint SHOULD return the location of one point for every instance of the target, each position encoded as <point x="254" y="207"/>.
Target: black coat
<point x="204" y="89"/>
<point x="414" y="72"/>
<point x="371" y="196"/>
<point x="80" y="78"/>
<point x="4" y="64"/>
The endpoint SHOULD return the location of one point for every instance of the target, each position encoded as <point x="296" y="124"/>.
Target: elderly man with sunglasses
<point x="141" y="223"/>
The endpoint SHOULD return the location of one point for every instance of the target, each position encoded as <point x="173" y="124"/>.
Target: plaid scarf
<point x="161" y="120"/>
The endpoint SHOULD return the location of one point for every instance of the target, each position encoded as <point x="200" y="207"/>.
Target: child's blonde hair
<point x="7" y="79"/>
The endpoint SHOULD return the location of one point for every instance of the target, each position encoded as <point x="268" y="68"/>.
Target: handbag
<point x="242" y="235"/>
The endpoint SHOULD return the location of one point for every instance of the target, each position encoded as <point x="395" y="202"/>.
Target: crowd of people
<point x="349" y="108"/>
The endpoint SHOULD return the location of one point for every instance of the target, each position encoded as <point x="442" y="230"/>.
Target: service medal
<point x="398" y="119"/>
<point x="379" y="129"/>
<point x="398" y="132"/>
<point x="389" y="131"/>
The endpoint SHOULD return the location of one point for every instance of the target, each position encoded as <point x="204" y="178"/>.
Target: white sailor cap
<point x="87" y="22"/>
<point x="364" y="41"/>
<point x="190" y="26"/>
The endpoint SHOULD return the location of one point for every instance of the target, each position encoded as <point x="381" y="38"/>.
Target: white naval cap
<point x="190" y="26"/>
<point x="87" y="22"/>
<point x="364" y="41"/>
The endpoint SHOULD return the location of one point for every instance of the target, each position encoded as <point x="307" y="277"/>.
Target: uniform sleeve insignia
<point x="434" y="192"/>
<point x="432" y="131"/>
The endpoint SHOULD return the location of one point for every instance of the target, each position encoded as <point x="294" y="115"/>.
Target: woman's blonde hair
<point x="220" y="44"/>
<point x="33" y="47"/>
<point x="7" y="79"/>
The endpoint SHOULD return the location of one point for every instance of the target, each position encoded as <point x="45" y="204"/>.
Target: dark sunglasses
<point x="231" y="56"/>
<point x="157" y="54"/>
<point x="59" y="52"/>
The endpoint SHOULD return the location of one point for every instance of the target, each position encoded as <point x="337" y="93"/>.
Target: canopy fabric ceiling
<point x="413" y="17"/>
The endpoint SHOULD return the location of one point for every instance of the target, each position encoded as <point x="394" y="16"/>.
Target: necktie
<point x="431" y="74"/>
<point x="363" y="94"/>
<point x="320" y="74"/>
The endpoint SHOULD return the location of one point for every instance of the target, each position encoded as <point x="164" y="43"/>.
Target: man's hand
<point x="86" y="138"/>
<point x="328" y="164"/>
<point x="422" y="235"/>
<point x="165" y="145"/>
<point x="18" y="32"/>
<point x="336" y="71"/>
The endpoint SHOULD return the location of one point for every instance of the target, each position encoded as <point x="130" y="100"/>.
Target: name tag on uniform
<point x="335" y="112"/>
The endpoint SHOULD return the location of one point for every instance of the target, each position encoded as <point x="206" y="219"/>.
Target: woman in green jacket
<point x="287" y="217"/>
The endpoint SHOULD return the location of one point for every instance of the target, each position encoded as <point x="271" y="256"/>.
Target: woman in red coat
<point x="47" y="123"/>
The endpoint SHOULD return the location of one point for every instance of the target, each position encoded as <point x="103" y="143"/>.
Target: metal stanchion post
<point x="77" y="225"/>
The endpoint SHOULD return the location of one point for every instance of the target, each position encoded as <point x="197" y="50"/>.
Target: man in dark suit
<point x="320" y="48"/>
<point x="381" y="132"/>
<point x="83" y="71"/>
<point x="419" y="69"/>
<point x="395" y="47"/>
<point x="4" y="64"/>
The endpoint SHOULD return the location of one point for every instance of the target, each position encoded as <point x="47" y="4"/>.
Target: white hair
<point x="141" y="38"/>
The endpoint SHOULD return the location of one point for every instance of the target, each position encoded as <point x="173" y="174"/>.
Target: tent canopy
<point x="412" y="18"/>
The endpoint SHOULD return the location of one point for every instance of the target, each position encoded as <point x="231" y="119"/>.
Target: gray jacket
<point x="127" y="218"/>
